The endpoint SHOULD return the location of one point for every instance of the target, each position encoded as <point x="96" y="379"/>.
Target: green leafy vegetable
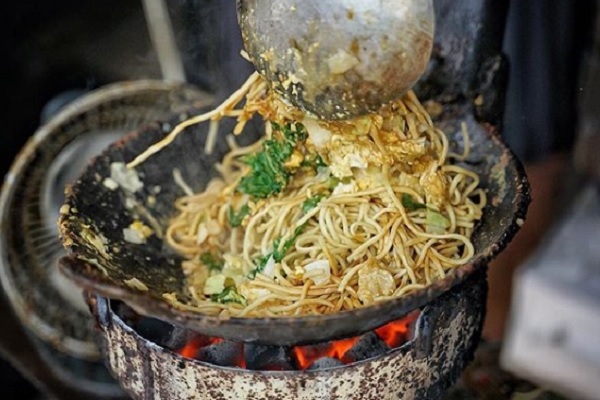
<point x="291" y="132"/>
<point x="235" y="219"/>
<point x="277" y="253"/>
<point x="332" y="182"/>
<point x="211" y="261"/>
<point x="314" y="161"/>
<point x="268" y="174"/>
<point x="261" y="263"/>
<point x="229" y="295"/>
<point x="311" y="203"/>
<point x="410" y="204"/>
<point x="287" y="245"/>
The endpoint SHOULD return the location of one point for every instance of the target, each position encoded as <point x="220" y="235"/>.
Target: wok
<point x="465" y="77"/>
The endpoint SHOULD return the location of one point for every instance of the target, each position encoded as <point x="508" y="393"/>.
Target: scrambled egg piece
<point x="434" y="185"/>
<point x="137" y="232"/>
<point x="407" y="151"/>
<point x="408" y="180"/>
<point x="347" y="153"/>
<point x="374" y="282"/>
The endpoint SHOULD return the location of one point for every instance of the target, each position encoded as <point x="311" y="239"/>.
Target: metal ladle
<point x="338" y="59"/>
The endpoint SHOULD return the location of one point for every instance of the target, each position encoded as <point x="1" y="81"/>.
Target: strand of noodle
<point x="389" y="241"/>
<point x="466" y="143"/>
<point x="279" y="277"/>
<point x="349" y="275"/>
<point x="425" y="270"/>
<point x="178" y="178"/>
<point x="436" y="264"/>
<point x="333" y="262"/>
<point x="229" y="102"/>
<point x="293" y="291"/>
<point x="170" y="238"/>
<point x="302" y="303"/>
<point x="460" y="170"/>
<point x="193" y="227"/>
<point x="451" y="217"/>
<point x="469" y="253"/>
<point x="414" y="103"/>
<point x="332" y="228"/>
<point x="256" y="303"/>
<point x="323" y="227"/>
<point x="375" y="239"/>
<point x="445" y="147"/>
<point x="211" y="136"/>
<point x="412" y="126"/>
<point x="404" y="259"/>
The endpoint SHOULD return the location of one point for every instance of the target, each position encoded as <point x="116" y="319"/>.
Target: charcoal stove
<point x="156" y="360"/>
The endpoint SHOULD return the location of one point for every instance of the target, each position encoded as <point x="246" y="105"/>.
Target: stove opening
<point x="307" y="357"/>
<point x="260" y="357"/>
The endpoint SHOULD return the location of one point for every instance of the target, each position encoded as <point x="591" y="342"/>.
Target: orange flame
<point x="306" y="355"/>
<point x="396" y="333"/>
<point x="191" y="348"/>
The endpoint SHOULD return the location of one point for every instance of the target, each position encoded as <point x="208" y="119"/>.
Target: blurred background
<point x="56" y="50"/>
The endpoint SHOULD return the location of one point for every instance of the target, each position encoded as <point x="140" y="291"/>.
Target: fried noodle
<point x="343" y="214"/>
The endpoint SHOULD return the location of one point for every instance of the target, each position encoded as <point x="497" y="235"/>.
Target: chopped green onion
<point x="235" y="219"/>
<point x="229" y="295"/>
<point x="409" y="203"/>
<point x="311" y="203"/>
<point x="211" y="261"/>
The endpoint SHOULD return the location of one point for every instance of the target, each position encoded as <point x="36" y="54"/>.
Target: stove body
<point x="445" y="337"/>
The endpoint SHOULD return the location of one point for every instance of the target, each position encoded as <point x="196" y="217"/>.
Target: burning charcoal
<point x="154" y="330"/>
<point x="396" y="333"/>
<point x="325" y="362"/>
<point x="268" y="358"/>
<point x="368" y="345"/>
<point x="178" y="338"/>
<point x="225" y="354"/>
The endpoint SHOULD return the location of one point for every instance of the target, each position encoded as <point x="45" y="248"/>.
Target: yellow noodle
<point x="363" y="228"/>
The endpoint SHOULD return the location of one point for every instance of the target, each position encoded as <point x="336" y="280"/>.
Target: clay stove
<point x="152" y="359"/>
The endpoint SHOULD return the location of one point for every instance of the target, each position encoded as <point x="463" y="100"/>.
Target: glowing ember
<point x="306" y="355"/>
<point x="191" y="348"/>
<point x="394" y="334"/>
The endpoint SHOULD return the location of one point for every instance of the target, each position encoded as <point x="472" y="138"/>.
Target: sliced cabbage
<point x="436" y="222"/>
<point x="319" y="271"/>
